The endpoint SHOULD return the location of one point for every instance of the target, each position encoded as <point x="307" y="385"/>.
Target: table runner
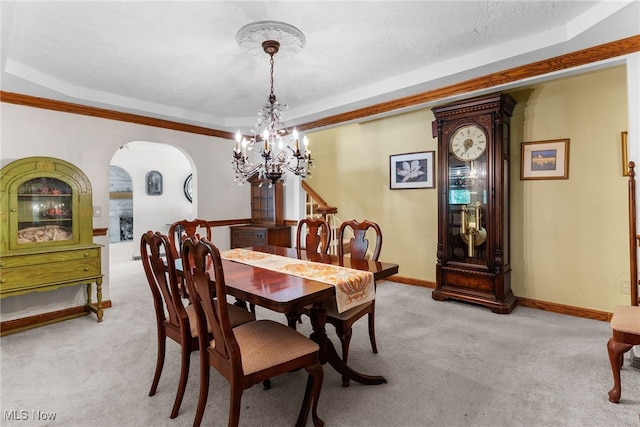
<point x="353" y="287"/>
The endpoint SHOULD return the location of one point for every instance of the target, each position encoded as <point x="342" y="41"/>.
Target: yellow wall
<point x="569" y="237"/>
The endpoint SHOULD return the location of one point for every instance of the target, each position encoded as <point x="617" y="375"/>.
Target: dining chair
<point x="625" y="321"/>
<point x="180" y="230"/>
<point x="173" y="319"/>
<point x="358" y="249"/>
<point x="343" y="322"/>
<point x="317" y="235"/>
<point x="250" y="353"/>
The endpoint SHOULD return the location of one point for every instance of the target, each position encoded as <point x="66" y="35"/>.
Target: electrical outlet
<point x="97" y="211"/>
<point x="625" y="287"/>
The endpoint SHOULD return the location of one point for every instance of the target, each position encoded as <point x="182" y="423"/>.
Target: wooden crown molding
<point x="570" y="60"/>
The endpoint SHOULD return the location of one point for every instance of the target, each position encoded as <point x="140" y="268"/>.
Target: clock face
<point x="468" y="143"/>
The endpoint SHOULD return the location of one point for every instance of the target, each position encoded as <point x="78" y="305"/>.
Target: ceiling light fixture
<point x="270" y="134"/>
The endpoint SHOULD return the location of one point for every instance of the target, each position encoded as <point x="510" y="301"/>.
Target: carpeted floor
<point x="447" y="364"/>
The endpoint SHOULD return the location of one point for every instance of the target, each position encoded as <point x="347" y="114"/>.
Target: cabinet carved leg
<point x="616" y="351"/>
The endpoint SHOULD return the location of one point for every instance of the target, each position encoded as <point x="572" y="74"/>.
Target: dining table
<point x="286" y="293"/>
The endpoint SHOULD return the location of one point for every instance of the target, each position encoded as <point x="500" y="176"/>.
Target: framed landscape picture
<point x="545" y="159"/>
<point x="411" y="170"/>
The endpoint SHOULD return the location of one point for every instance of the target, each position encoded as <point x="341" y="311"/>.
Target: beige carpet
<point x="447" y="363"/>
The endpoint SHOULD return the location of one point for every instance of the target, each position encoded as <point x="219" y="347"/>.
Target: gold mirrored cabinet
<point x="46" y="239"/>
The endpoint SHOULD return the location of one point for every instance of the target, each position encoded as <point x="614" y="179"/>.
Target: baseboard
<point x="587" y="313"/>
<point x="17" y="325"/>
<point x="411" y="281"/>
<point x="525" y="302"/>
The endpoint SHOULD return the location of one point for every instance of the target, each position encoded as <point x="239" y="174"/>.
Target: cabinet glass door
<point x="44" y="211"/>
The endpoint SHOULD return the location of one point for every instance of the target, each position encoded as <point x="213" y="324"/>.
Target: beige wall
<point x="569" y="237"/>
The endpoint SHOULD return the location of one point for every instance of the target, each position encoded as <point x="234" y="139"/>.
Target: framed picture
<point x="545" y="159"/>
<point x="154" y="183"/>
<point x="625" y="155"/>
<point x="411" y="170"/>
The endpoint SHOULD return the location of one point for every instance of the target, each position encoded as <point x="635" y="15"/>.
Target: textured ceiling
<point x="180" y="60"/>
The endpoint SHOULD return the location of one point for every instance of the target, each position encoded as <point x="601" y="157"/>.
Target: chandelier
<point x="276" y="149"/>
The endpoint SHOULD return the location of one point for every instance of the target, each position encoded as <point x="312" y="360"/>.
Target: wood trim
<point x="224" y="222"/>
<point x="546" y="66"/>
<point x="67" y="107"/>
<point x="291" y="222"/>
<point x="633" y="247"/>
<point x="569" y="60"/>
<point x="411" y="281"/>
<point x="525" y="302"/>
<point x="30" y="322"/>
<point x="121" y="195"/>
<point x="587" y="313"/>
<point x="100" y="231"/>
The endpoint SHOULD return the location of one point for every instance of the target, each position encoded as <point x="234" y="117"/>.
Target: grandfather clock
<point x="473" y="261"/>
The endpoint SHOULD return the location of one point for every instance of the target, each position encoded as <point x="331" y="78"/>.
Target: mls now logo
<point x="23" y="415"/>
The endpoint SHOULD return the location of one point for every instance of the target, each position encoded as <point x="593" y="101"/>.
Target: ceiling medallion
<point x="251" y="36"/>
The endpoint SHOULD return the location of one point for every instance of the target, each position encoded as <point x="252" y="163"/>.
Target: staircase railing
<point x="316" y="206"/>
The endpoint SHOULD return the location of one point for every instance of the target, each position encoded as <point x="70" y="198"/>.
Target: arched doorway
<point x="147" y="184"/>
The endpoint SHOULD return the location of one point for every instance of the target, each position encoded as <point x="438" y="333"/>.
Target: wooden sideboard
<point x="260" y="235"/>
<point x="267" y="218"/>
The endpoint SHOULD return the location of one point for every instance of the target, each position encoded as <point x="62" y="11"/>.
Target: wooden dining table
<point x="286" y="293"/>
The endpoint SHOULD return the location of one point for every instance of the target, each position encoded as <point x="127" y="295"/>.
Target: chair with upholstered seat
<point x="317" y="235"/>
<point x="625" y="324"/>
<point x="358" y="249"/>
<point x="180" y="230"/>
<point x="250" y="353"/>
<point x="173" y="319"/>
<point x="625" y="321"/>
<point x="313" y="235"/>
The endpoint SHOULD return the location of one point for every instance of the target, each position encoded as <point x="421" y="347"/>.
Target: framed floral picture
<point x="412" y="170"/>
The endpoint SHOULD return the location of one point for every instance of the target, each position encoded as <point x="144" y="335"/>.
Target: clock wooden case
<point x="473" y="254"/>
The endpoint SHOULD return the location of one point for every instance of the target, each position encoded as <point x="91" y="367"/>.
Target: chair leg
<point x="372" y="329"/>
<point x="616" y="350"/>
<point x="185" y="361"/>
<point x="160" y="360"/>
<point x="204" y="390"/>
<point x="311" y="396"/>
<point x="234" y="404"/>
<point x="292" y="319"/>
<point x="345" y="339"/>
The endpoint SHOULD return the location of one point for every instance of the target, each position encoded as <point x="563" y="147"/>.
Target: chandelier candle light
<point x="270" y="133"/>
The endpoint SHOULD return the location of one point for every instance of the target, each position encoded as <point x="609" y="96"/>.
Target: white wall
<point x="156" y="212"/>
<point x="90" y="143"/>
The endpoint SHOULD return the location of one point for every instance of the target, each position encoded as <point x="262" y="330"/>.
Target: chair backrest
<point x="317" y="235"/>
<point x="163" y="280"/>
<point x="197" y="255"/>
<point x="180" y="230"/>
<point x="359" y="244"/>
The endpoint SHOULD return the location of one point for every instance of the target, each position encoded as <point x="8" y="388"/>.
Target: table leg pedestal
<point x="329" y="354"/>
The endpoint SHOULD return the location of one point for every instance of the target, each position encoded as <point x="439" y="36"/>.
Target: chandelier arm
<point x="270" y="131"/>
